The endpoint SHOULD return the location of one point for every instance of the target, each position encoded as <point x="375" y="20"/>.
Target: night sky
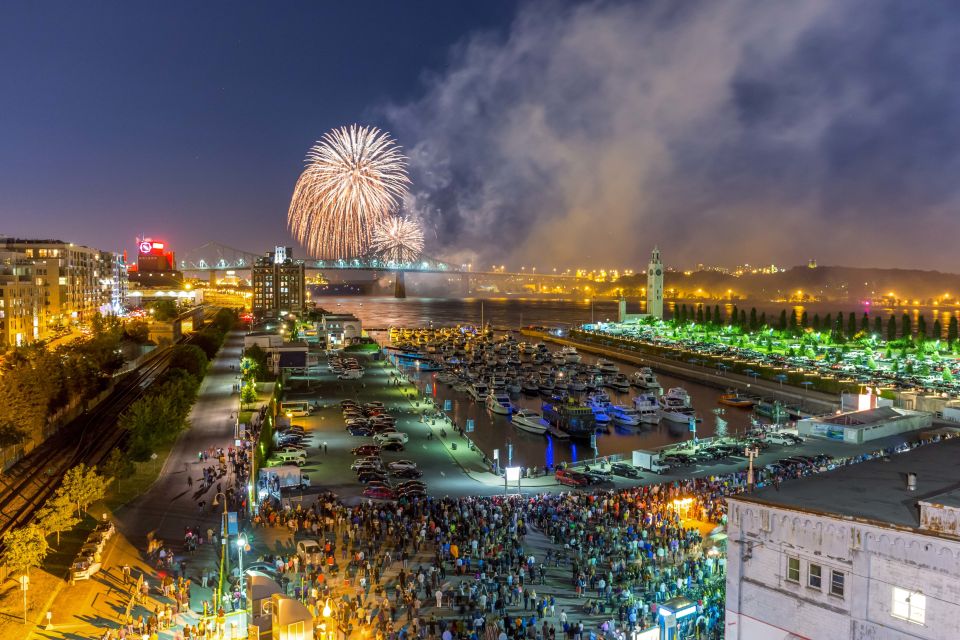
<point x="547" y="133"/>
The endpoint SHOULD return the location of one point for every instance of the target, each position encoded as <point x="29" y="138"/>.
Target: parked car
<point x="84" y="569"/>
<point x="571" y="478"/>
<point x="379" y="493"/>
<point x="382" y="438"/>
<point x="624" y="470"/>
<point x="366" y="450"/>
<point x="397" y="465"/>
<point x="407" y="473"/>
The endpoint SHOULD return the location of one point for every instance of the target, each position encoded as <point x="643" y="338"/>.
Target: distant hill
<point x="829" y="284"/>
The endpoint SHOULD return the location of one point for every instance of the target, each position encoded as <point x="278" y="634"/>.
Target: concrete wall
<point x="763" y="603"/>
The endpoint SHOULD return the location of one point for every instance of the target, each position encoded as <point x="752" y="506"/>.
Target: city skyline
<point x="797" y="137"/>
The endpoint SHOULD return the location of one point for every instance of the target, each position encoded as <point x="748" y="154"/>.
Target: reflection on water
<point x="494" y="431"/>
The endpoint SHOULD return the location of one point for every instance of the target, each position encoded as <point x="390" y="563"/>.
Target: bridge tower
<point x="399" y="285"/>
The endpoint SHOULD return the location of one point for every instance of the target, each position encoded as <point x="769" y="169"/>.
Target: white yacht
<point x="625" y="416"/>
<point x="647" y="406"/>
<point x="675" y="406"/>
<point x="498" y="403"/>
<point x="570" y="355"/>
<point x="529" y="420"/>
<point x="644" y="379"/>
<point x="478" y="391"/>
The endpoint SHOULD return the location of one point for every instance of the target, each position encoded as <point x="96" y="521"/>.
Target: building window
<point x="837" y="583"/>
<point x="814" y="576"/>
<point x="909" y="605"/>
<point x="793" y="569"/>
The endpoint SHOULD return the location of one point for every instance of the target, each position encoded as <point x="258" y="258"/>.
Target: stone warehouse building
<point x="870" y="550"/>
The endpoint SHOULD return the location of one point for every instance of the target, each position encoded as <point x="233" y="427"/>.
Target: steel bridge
<point x="213" y="257"/>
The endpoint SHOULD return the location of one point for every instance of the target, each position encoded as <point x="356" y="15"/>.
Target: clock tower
<point x="655" y="285"/>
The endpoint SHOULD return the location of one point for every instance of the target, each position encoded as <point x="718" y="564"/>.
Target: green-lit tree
<point x="26" y="547"/>
<point x="921" y="328"/>
<point x="56" y="516"/>
<point x="906" y="331"/>
<point x="838" y="327"/>
<point x="248" y="394"/>
<point x="937" y="330"/>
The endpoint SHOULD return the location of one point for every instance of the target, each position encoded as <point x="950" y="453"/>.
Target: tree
<point x="11" y="434"/>
<point x="838" y="327"/>
<point x="225" y="320"/>
<point x="26" y="547"/>
<point x="783" y="320"/>
<point x="81" y="486"/>
<point x="952" y="330"/>
<point x="683" y="314"/>
<point x="743" y="318"/>
<point x="707" y="315"/>
<point x="248" y="395"/>
<point x="117" y="466"/>
<point x="699" y="314"/>
<point x="734" y="316"/>
<point x="763" y="319"/>
<point x="852" y="324"/>
<point x="816" y="322"/>
<point x="189" y="358"/>
<point x="804" y="320"/>
<point x="921" y="328"/>
<point x="878" y="326"/>
<point x="717" y="318"/>
<point x="865" y="323"/>
<point x="906" y="331"/>
<point x="138" y="331"/>
<point x="163" y="310"/>
<point x="56" y="516"/>
<point x="937" y="330"/>
<point x="827" y="324"/>
<point x="892" y="328"/>
<point x="793" y="320"/>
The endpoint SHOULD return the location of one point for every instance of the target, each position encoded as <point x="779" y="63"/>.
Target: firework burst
<point x="353" y="179"/>
<point x="398" y="239"/>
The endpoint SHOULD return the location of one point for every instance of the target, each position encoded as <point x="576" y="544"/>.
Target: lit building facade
<point x="73" y="277"/>
<point x="278" y="284"/>
<point x="870" y="550"/>
<point x="22" y="301"/>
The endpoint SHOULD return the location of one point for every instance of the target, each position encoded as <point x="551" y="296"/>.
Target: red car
<point x="379" y="493"/>
<point x="366" y="450"/>
<point x="571" y="478"/>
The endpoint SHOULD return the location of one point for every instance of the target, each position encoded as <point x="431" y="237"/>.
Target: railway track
<point x="87" y="439"/>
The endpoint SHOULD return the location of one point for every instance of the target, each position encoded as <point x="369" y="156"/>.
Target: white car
<point x="84" y="570"/>
<point x="366" y="462"/>
<point x="399" y="465"/>
<point x="776" y="438"/>
<point x="310" y="552"/>
<point x="393" y="436"/>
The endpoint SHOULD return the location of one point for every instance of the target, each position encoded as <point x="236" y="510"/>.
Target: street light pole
<point x="224" y="550"/>
<point x="751" y="453"/>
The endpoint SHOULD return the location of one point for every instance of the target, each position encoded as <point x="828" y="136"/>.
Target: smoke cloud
<point x="723" y="131"/>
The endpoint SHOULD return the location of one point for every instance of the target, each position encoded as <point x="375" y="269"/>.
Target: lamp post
<point x="241" y="545"/>
<point x="751" y="453"/>
<point x="224" y="555"/>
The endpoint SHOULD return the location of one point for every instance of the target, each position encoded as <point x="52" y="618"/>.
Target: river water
<point x="494" y="431"/>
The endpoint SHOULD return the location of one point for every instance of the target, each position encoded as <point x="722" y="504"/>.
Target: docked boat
<point x="625" y="416"/>
<point x="619" y="383"/>
<point x="570" y="355"/>
<point x="575" y="419"/>
<point x="577" y="385"/>
<point x="644" y="379"/>
<point x="675" y="406"/>
<point x="734" y="399"/>
<point x="772" y="409"/>
<point x="498" y="403"/>
<point x="478" y="391"/>
<point x="607" y="368"/>
<point x="530" y="387"/>
<point x="528" y="420"/>
<point x="647" y="406"/>
<point x="446" y="378"/>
